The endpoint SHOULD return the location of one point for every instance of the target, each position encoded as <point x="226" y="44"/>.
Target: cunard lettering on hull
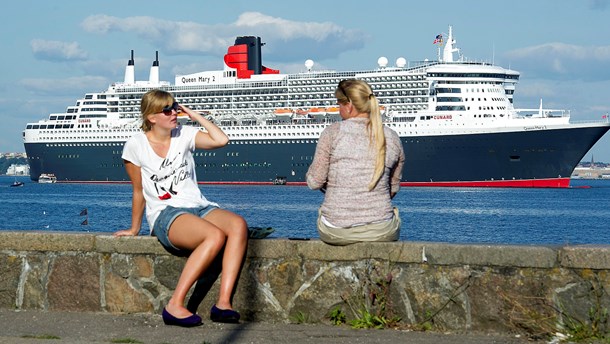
<point x="455" y="117"/>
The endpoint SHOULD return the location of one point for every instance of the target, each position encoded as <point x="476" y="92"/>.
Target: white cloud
<point x="285" y="40"/>
<point x="563" y="61"/>
<point x="57" y="50"/>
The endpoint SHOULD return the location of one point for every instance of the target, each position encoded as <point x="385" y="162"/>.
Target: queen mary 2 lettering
<point x="455" y="118"/>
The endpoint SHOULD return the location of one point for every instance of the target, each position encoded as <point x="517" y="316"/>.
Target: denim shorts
<point x="166" y="218"/>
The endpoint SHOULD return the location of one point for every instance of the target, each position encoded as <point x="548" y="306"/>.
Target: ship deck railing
<point x="541" y="113"/>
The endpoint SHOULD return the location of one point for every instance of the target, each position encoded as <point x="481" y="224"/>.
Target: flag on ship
<point x="438" y="39"/>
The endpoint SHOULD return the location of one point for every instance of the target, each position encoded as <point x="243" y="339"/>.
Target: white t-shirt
<point x="169" y="181"/>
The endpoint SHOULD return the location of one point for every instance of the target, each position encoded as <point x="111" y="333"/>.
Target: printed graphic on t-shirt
<point x="172" y="172"/>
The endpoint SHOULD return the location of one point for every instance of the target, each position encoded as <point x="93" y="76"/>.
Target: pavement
<point x="33" y="326"/>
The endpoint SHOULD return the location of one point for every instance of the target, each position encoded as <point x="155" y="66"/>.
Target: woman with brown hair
<point x="161" y="167"/>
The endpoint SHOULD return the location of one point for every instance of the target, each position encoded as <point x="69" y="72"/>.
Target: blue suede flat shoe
<point x="193" y="320"/>
<point x="224" y="315"/>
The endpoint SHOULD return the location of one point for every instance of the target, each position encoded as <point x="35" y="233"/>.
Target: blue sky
<point x="56" y="51"/>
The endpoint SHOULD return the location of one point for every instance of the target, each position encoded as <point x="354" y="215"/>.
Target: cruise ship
<point x="455" y="118"/>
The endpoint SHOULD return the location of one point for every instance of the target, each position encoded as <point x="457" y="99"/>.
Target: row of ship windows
<point x="108" y="144"/>
<point x="60" y="126"/>
<point x="101" y="144"/>
<point x="464" y="108"/>
<point x="335" y="81"/>
<point x="459" y="99"/>
<point x="121" y="138"/>
<point x="225" y="165"/>
<point x="99" y="96"/>
<point x="466" y="90"/>
<point x="473" y="75"/>
<point x="49" y="126"/>
<point x="62" y="117"/>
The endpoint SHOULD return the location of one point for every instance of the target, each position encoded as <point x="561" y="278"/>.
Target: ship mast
<point x="449" y="47"/>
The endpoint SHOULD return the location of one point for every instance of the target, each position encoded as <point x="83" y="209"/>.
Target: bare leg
<point x="204" y="284"/>
<point x="236" y="231"/>
<point x="205" y="240"/>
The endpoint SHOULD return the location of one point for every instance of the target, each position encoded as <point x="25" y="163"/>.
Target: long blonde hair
<point x="360" y="94"/>
<point x="153" y="102"/>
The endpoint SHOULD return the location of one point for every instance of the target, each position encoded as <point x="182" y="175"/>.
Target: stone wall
<point x="491" y="288"/>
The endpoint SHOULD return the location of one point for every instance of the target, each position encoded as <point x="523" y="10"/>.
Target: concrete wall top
<point x="578" y="256"/>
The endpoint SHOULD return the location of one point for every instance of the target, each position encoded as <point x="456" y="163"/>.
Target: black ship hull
<point x="536" y="158"/>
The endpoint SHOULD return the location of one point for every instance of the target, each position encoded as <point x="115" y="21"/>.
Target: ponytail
<point x="360" y="94"/>
<point x="377" y="139"/>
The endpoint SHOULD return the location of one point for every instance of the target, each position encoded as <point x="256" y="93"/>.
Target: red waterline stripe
<point x="521" y="183"/>
<point x="92" y="182"/>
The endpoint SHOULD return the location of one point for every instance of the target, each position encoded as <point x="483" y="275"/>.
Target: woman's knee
<point x="239" y="227"/>
<point x="216" y="237"/>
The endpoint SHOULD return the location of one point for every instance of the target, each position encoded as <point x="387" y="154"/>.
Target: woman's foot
<point x="190" y="321"/>
<point x="224" y="315"/>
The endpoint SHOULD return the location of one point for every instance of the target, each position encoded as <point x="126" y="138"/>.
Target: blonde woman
<point x="160" y="165"/>
<point x="358" y="164"/>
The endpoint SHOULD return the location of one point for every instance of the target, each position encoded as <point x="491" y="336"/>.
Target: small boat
<point x="17" y="183"/>
<point x="47" y="178"/>
<point x="279" y="180"/>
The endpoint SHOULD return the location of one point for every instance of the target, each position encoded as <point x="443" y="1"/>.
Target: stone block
<point x="47" y="241"/>
<point x="585" y="256"/>
<point x="143" y="244"/>
<point x="122" y="297"/>
<point x="10" y="272"/>
<point x="74" y="283"/>
<point x="491" y="255"/>
<point x="36" y="276"/>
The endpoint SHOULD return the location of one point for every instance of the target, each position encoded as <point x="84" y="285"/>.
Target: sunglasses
<point x="167" y="110"/>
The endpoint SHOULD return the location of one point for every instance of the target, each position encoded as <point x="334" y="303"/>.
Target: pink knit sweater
<point x="344" y="164"/>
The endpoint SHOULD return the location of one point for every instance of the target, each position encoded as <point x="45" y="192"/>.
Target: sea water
<point x="577" y="215"/>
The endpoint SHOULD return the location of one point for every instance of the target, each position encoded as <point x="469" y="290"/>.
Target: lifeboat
<point x="284" y="111"/>
<point x="317" y="111"/>
<point x="301" y="112"/>
<point x="333" y="110"/>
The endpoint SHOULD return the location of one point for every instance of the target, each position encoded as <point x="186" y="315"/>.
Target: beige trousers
<point x="382" y="231"/>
